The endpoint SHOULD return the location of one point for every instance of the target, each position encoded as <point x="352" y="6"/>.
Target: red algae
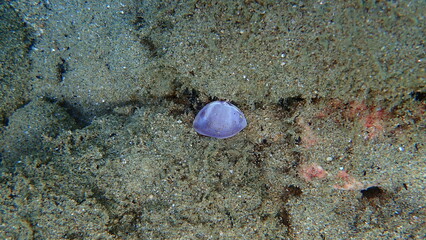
<point x="312" y="171"/>
<point x="374" y="121"/>
<point x="308" y="137"/>
<point x="349" y="182"/>
<point x="372" y="118"/>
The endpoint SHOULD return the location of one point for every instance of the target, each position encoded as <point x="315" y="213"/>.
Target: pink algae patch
<point x="308" y="137"/>
<point x="349" y="182"/>
<point x="333" y="106"/>
<point x="375" y="123"/>
<point x="355" y="109"/>
<point x="372" y="118"/>
<point x="312" y="171"/>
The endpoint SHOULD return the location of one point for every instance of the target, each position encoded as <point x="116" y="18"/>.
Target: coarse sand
<point x="98" y="99"/>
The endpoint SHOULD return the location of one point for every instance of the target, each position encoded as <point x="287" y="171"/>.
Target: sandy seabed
<point x="98" y="99"/>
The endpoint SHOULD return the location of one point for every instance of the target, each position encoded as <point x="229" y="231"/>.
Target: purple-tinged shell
<point x="219" y="119"/>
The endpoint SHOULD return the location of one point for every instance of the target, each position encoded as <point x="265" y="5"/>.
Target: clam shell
<point x="219" y="119"/>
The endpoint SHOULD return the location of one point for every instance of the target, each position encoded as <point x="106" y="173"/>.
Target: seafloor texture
<point x="98" y="99"/>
